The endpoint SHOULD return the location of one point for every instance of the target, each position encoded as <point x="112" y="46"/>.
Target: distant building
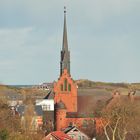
<point x="42" y="86"/>
<point x="13" y="98"/>
<point x="13" y="103"/>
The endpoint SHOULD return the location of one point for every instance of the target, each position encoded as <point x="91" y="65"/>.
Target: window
<point x="65" y="85"/>
<point x="61" y="87"/>
<point x="46" y="107"/>
<point x="69" y="87"/>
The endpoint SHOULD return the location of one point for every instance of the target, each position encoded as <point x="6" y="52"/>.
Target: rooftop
<point x="59" y="135"/>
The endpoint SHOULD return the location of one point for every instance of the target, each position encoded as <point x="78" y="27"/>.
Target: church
<point x="65" y="93"/>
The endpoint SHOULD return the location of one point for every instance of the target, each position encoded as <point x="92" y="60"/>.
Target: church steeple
<point x="65" y="54"/>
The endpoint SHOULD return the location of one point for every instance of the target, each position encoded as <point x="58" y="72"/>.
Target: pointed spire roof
<point x="65" y="54"/>
<point x="65" y="41"/>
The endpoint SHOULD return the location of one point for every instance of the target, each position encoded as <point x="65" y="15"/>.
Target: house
<point x="47" y="104"/>
<point x="48" y="112"/>
<point x="57" y="135"/>
<point x="75" y="133"/>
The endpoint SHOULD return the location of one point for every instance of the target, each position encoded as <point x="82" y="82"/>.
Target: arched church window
<point x="61" y="87"/>
<point x="65" y="85"/>
<point x="69" y="87"/>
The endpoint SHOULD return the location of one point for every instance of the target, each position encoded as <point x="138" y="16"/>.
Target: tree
<point x="9" y="123"/>
<point x="4" y="134"/>
<point x="120" y="122"/>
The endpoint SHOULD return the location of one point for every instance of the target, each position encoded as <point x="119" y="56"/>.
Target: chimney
<point x="116" y="94"/>
<point x="131" y="95"/>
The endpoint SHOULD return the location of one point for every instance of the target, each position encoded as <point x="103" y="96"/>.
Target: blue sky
<point x="103" y="38"/>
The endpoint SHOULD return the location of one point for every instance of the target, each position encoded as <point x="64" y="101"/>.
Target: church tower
<point x="65" y="89"/>
<point x="65" y="54"/>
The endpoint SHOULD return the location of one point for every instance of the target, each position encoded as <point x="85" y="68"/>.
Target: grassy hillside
<point x="12" y="92"/>
<point x="108" y="86"/>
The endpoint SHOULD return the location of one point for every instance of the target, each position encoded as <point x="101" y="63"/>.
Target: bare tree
<point x="120" y="122"/>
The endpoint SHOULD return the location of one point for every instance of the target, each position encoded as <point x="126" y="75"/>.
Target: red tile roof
<point x="61" y="135"/>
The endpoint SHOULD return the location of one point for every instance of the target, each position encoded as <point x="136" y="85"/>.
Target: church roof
<point x="93" y="92"/>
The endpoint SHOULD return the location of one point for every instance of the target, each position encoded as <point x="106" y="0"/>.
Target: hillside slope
<point x="122" y="87"/>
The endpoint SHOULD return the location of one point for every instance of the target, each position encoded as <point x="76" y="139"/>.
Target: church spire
<point x="65" y="54"/>
<point x="65" y="41"/>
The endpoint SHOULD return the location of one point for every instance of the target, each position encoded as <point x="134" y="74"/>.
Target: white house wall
<point x="46" y="102"/>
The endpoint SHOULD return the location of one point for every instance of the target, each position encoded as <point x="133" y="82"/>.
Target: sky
<point x="103" y="38"/>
